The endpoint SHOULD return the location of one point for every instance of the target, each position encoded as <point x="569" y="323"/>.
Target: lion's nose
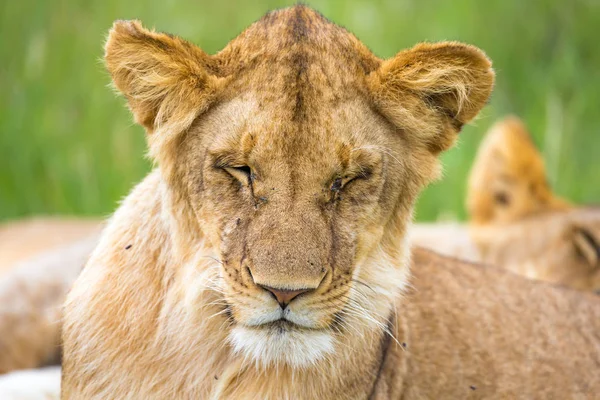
<point x="284" y="296"/>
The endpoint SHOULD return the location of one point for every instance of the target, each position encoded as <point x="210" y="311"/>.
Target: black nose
<point x="285" y="296"/>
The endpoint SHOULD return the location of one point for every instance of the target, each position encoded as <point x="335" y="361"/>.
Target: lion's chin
<point x="281" y="343"/>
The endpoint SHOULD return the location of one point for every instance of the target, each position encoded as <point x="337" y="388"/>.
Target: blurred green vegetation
<point x="68" y="145"/>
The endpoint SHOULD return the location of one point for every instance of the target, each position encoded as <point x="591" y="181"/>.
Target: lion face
<point x="294" y="210"/>
<point x="508" y="179"/>
<point x="519" y="223"/>
<point x="297" y="155"/>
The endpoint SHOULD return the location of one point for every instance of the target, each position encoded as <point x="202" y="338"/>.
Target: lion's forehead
<point x="260" y="129"/>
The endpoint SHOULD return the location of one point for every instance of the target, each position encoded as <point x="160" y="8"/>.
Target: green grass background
<point x="68" y="146"/>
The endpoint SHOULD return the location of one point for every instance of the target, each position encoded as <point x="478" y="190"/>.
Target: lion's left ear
<point x="432" y="90"/>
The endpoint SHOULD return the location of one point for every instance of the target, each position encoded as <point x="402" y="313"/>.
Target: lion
<point x="266" y="256"/>
<point x="22" y="239"/>
<point x="32" y="293"/>
<point x="508" y="180"/>
<point x="39" y="260"/>
<point x="518" y="222"/>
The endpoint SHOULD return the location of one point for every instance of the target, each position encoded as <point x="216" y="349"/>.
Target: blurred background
<point x="68" y="144"/>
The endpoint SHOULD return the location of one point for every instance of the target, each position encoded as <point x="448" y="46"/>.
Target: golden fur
<point x="290" y="161"/>
<point x="508" y="178"/>
<point x="517" y="222"/>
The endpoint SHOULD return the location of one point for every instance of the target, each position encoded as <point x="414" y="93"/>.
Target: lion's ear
<point x="167" y="81"/>
<point x="587" y="244"/>
<point x="432" y="90"/>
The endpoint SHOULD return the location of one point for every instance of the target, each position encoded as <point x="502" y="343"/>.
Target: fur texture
<point x="288" y="169"/>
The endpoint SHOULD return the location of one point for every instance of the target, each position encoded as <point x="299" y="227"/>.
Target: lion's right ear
<point x="167" y="81"/>
<point x="432" y="90"/>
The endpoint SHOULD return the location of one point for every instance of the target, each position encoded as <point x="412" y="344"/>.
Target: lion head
<point x="296" y="156"/>
<point x="519" y="223"/>
<point x="508" y="178"/>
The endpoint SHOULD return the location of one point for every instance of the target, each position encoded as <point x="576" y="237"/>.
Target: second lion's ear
<point x="587" y="244"/>
<point x="432" y="90"/>
<point x="167" y="81"/>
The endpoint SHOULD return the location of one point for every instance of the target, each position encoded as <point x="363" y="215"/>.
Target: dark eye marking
<point x="341" y="182"/>
<point x="336" y="185"/>
<point x="502" y="198"/>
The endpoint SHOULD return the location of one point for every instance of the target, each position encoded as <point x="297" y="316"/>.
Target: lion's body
<point x="267" y="257"/>
<point x="516" y="221"/>
<point x="544" y="247"/>
<point x="471" y="325"/>
<point x="32" y="293"/>
<point x="39" y="260"/>
<point x="20" y="240"/>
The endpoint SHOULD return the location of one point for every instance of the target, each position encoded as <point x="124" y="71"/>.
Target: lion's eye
<point x="341" y="182"/>
<point x="336" y="185"/>
<point x="242" y="173"/>
<point x="502" y="198"/>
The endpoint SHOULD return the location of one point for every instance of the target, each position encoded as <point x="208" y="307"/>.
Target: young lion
<point x="266" y="257"/>
<point x="517" y="222"/>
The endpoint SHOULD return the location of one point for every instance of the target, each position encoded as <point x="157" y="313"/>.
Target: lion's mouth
<point x="282" y="326"/>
